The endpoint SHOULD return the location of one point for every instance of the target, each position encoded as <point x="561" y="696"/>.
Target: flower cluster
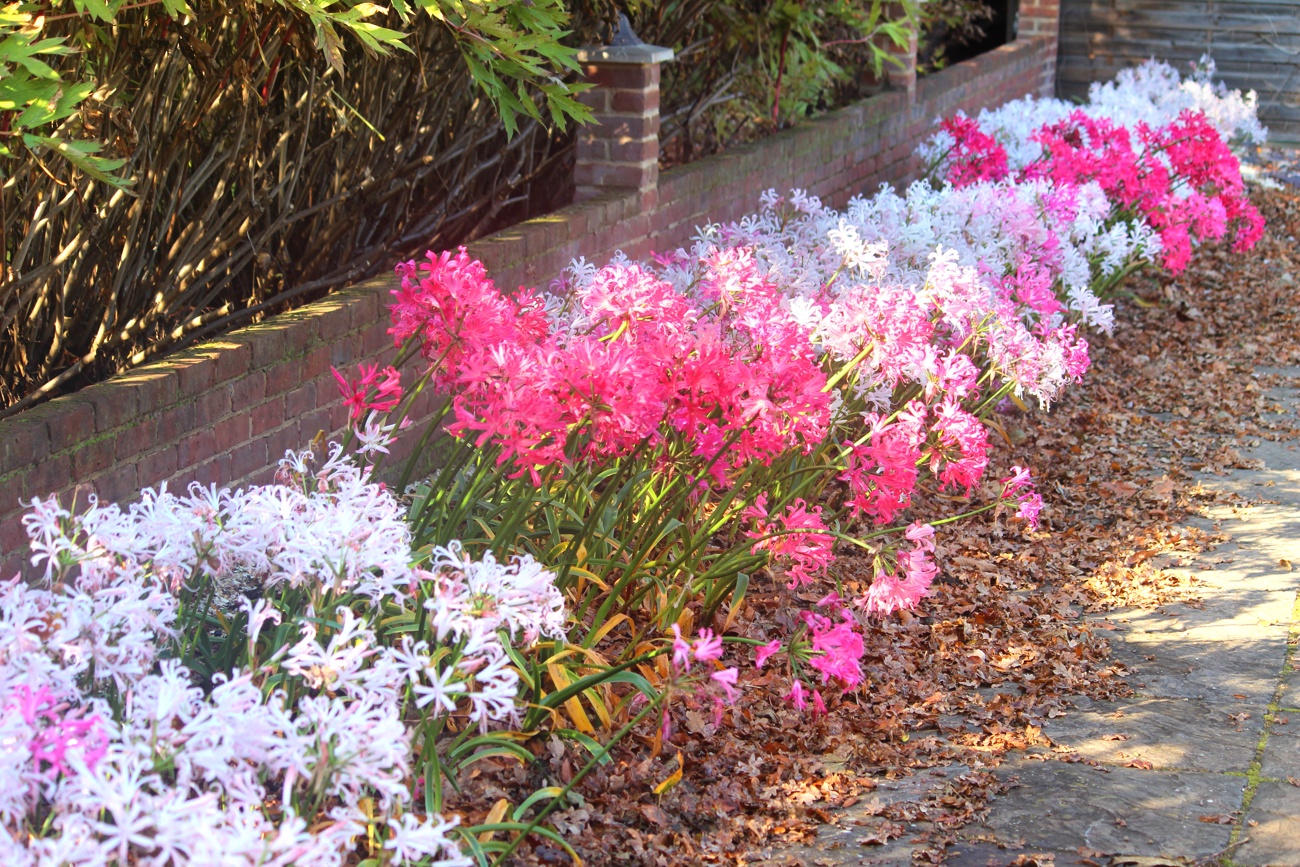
<point x="803" y="369"/>
<point x="1155" y="146"/>
<point x="719" y="685"/>
<point x="629" y="360"/>
<point x="118" y="748"/>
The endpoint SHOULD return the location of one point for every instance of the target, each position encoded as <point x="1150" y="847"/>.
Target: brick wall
<point x="225" y="412"/>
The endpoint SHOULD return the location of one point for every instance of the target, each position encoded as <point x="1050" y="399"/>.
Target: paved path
<point x="1194" y="768"/>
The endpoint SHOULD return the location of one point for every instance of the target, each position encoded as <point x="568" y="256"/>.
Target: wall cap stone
<point x="632" y="54"/>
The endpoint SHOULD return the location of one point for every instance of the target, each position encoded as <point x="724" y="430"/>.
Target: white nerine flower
<point x="181" y="776"/>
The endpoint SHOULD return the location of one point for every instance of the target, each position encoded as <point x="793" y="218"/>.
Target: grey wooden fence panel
<point x="1255" y="44"/>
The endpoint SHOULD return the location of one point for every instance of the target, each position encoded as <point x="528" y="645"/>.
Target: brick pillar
<point x="620" y="151"/>
<point x="898" y="77"/>
<point x="904" y="77"/>
<point x="1039" y="18"/>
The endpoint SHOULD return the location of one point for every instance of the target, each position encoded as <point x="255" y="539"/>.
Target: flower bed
<point x="621" y="457"/>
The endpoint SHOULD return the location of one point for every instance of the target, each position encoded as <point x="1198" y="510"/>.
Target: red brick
<point x="92" y="458"/>
<point x="231" y="432"/>
<point x="24" y="439"/>
<point x="284" y="376"/>
<point x="591" y="147"/>
<point x="50" y="476"/>
<point x="376" y="341"/>
<point x="268" y="344"/>
<point x="284" y="439"/>
<point x="318" y="362"/>
<point x="635" y="101"/>
<point x="331" y="325"/>
<point x="196" y="373"/>
<point x="616" y="175"/>
<point x="233" y="360"/>
<point x="596" y="99"/>
<point x="13" y="491"/>
<point x="118" y="485"/>
<point x="634" y="151"/>
<point x="131" y="442"/>
<point x="155" y="386"/>
<point x="248" y="459"/>
<point x="370" y="302"/>
<point x="13" y="543"/>
<point x="297" y="332"/>
<point x="619" y="126"/>
<point x="196" y="448"/>
<point x="248" y="391"/>
<point x="70" y="420"/>
<point x="630" y="76"/>
<point x="156" y="467"/>
<point x="266" y="416"/>
<point x="313" y="423"/>
<point x="214" y="472"/>
<point x="115" y="404"/>
<point x="212" y="406"/>
<point x="301" y="400"/>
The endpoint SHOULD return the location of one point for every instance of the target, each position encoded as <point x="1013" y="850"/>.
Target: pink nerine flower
<point x="795" y="695"/>
<point x="959" y="454"/>
<point x="764" y="651"/>
<point x="681" y="650"/>
<point x="377" y="389"/>
<point x="891" y="592"/>
<point x="707" y="647"/>
<point x="840" y="653"/>
<point x="726" y="678"/>
<point x="1030" y="506"/>
<point x="792" y="541"/>
<point x="976" y="155"/>
<point x="57" y="729"/>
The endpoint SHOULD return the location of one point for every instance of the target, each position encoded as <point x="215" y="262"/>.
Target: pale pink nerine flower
<point x="1020" y="478"/>
<point x="890" y="592"/>
<point x="706" y="648"/>
<point x="681" y="650"/>
<point x="1020" y="486"/>
<point x="114" y="612"/>
<point x="1030" y="505"/>
<point x="726" y="678"/>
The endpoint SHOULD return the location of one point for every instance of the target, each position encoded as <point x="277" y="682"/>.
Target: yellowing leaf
<point x="673" y="779"/>
<point x="496" y="814"/>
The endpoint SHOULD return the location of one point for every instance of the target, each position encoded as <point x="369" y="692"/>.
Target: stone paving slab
<point x="1063" y="807"/>
<point x="1170" y="733"/>
<point x="1281" y="756"/>
<point x="1289" y="697"/>
<point x="1275" y="841"/>
<point x="1174" y="667"/>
